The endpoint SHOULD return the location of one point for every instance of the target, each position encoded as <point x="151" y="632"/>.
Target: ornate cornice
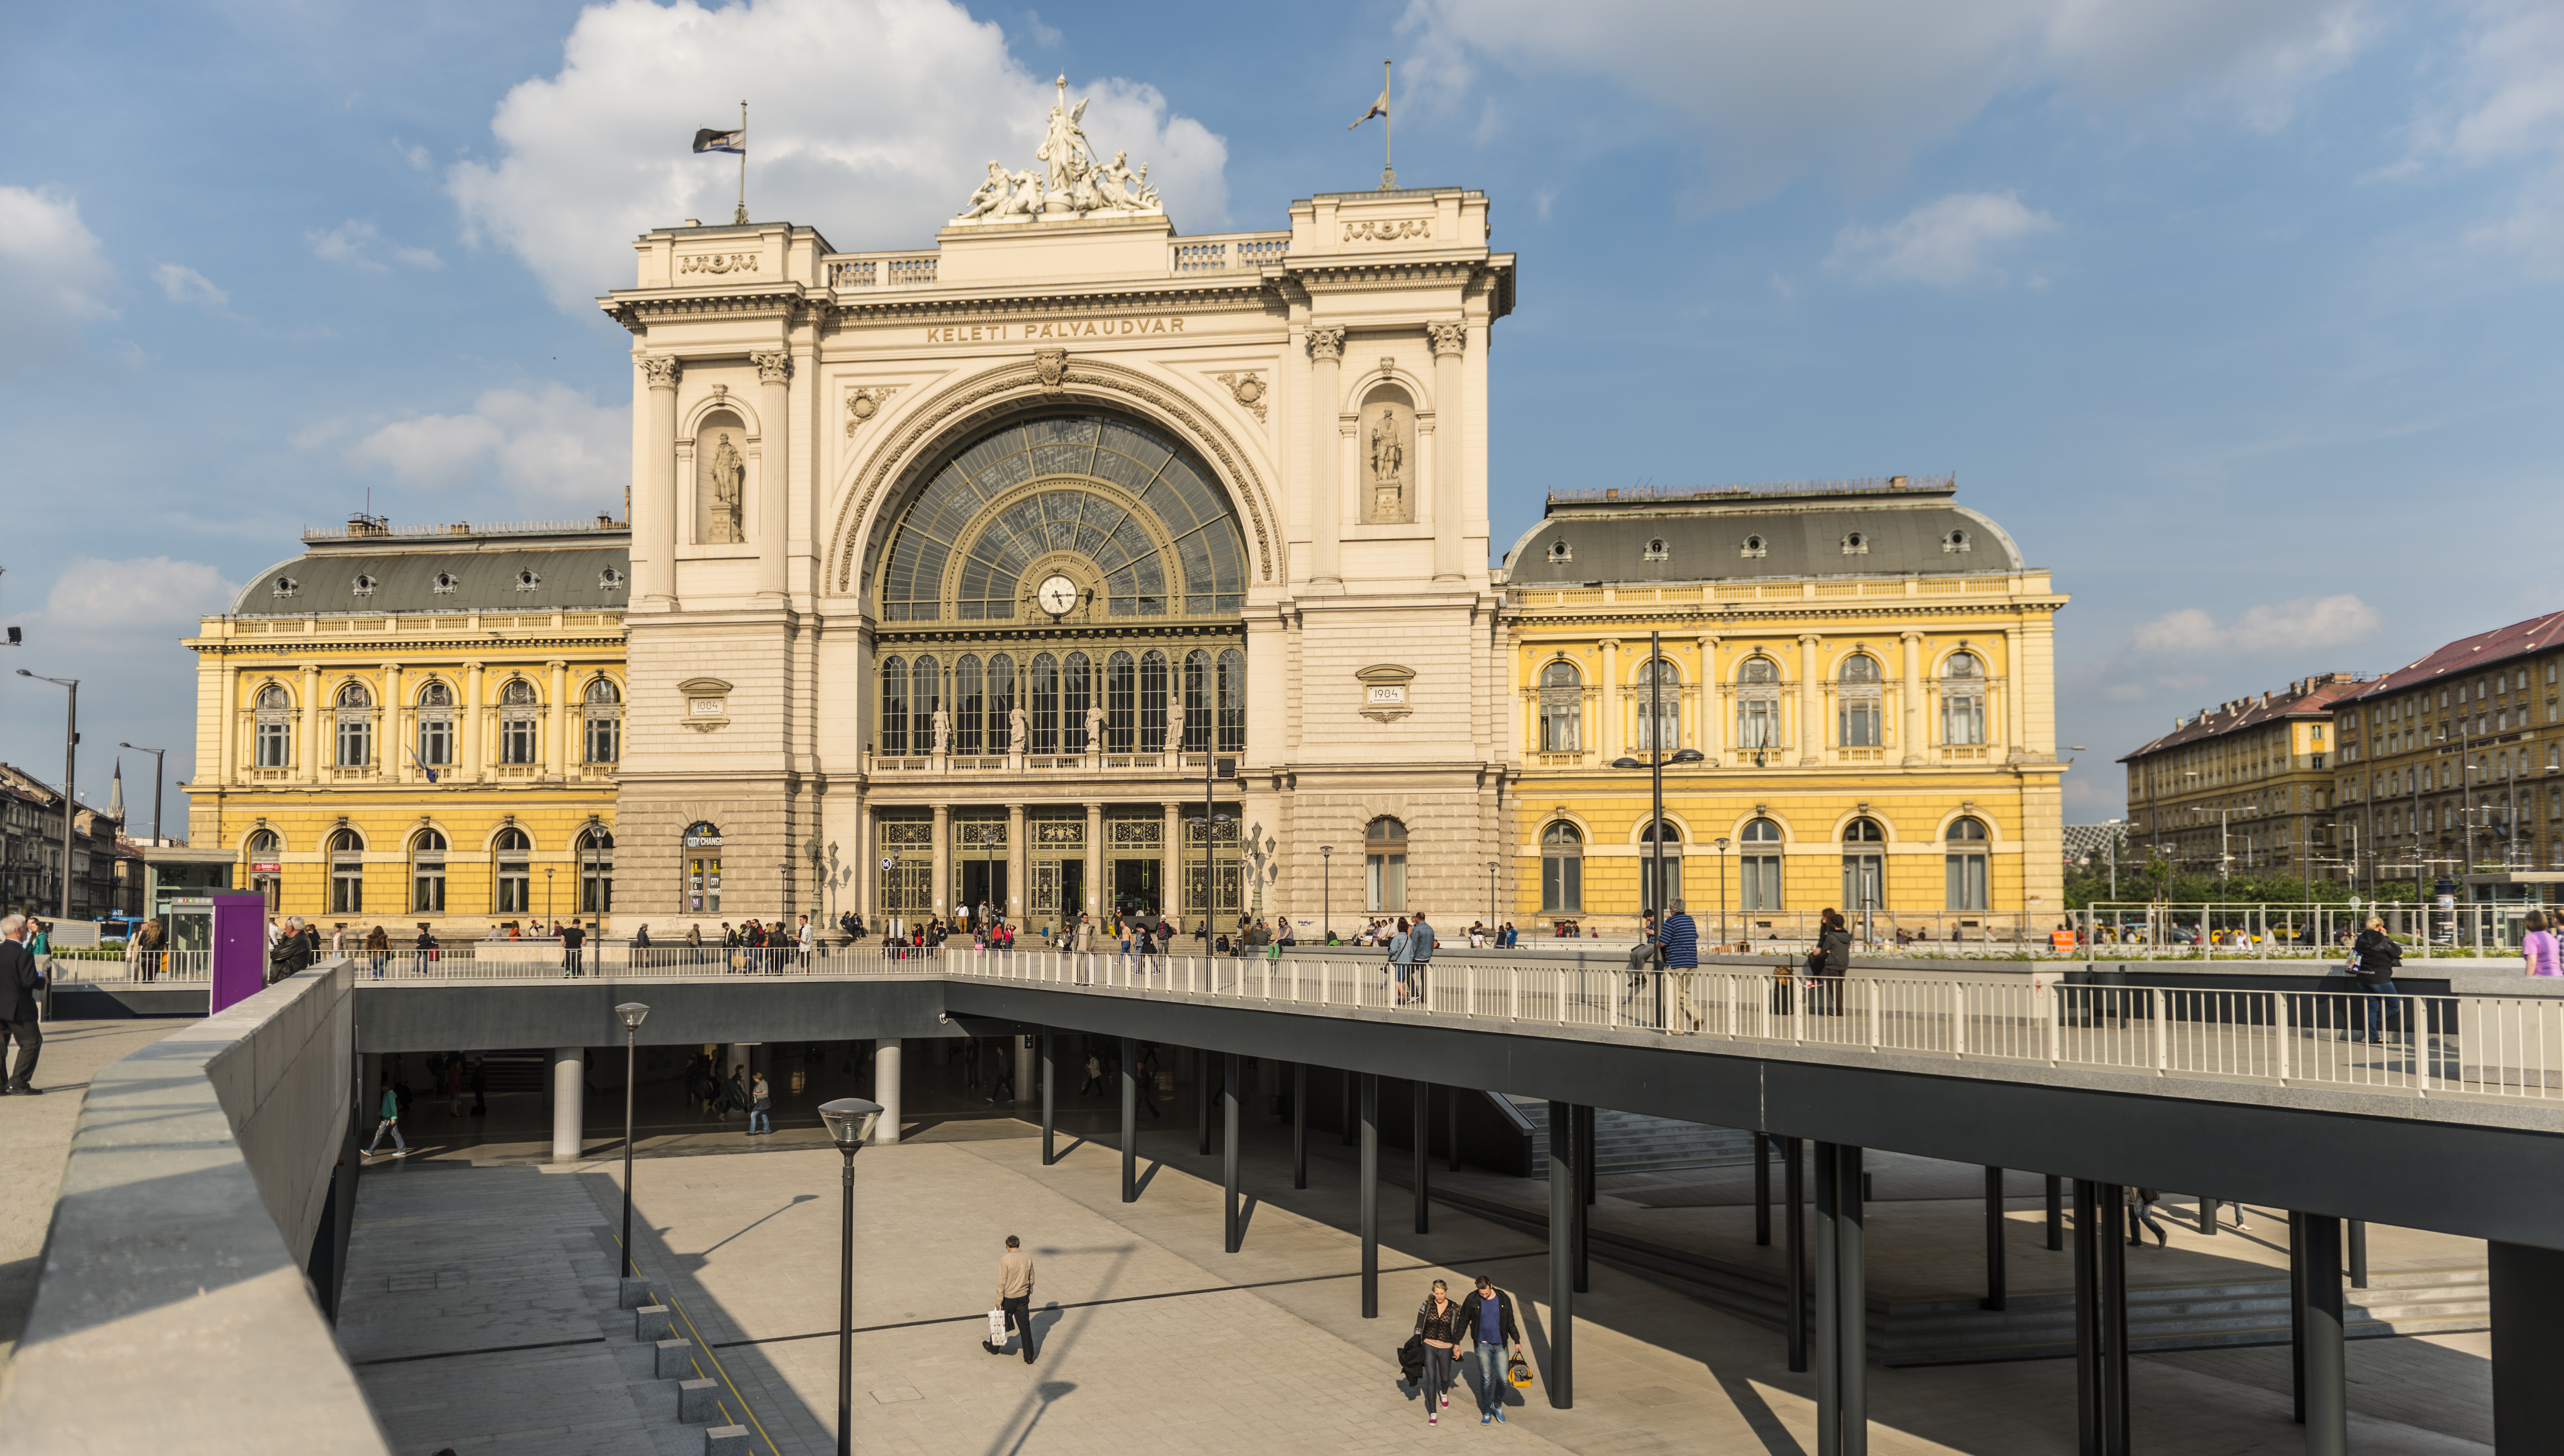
<point x="858" y="306"/>
<point x="1076" y="376"/>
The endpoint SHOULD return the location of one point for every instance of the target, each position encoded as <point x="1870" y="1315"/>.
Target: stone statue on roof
<point x="1070" y="182"/>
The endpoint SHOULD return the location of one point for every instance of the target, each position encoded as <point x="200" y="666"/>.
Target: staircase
<point x="517" y="1072"/>
<point x="1627" y="1142"/>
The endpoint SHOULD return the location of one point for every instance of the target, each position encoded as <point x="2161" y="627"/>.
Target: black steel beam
<point x="1419" y="1101"/>
<point x="1299" y="1125"/>
<point x="1566" y="1212"/>
<point x="1050" y="1110"/>
<point x="1129" y="1120"/>
<point x="1763" y="1189"/>
<point x="1371" y="1195"/>
<point x="1232" y="1232"/>
<point x="1995" y="1297"/>
<point x="1795" y="1190"/>
<point x="2527" y="1287"/>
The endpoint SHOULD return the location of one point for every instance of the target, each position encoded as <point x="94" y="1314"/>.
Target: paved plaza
<point x="1154" y="1338"/>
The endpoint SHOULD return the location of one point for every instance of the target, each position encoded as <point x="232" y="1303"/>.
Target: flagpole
<point x="742" y="164"/>
<point x="1387" y="135"/>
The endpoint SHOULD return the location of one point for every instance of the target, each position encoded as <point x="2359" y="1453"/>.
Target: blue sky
<point x="2238" y="317"/>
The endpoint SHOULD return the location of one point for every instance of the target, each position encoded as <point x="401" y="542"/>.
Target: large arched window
<point x="894" y="707"/>
<point x="1140" y="517"/>
<point x="435" y="725"/>
<point x="1562" y="869"/>
<point x="1857" y="718"/>
<point x="1152" y="702"/>
<point x="924" y="700"/>
<point x="1657" y="699"/>
<point x="519" y="718"/>
<point x="427" y="873"/>
<point x="1963" y="866"/>
<point x="1041" y="704"/>
<point x="603" y="712"/>
<point x="274" y="707"/>
<point x="970" y="706"/>
<point x="1076" y="700"/>
<point x="347" y="873"/>
<point x="1561" y="708"/>
<point x="1384" y="865"/>
<point x="355" y="714"/>
<point x="703" y="887"/>
<point x="510" y="849"/>
<point x="596" y="871"/>
<point x="1121" y="702"/>
<point x="1758" y="866"/>
<point x="1962" y="699"/>
<point x="1758" y="703"/>
<point x="1864" y="866"/>
<point x="1655" y="893"/>
<point x="1002" y="704"/>
<point x="1232" y="701"/>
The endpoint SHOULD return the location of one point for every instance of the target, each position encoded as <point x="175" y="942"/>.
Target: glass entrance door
<point x="984" y="882"/>
<point x="703" y="884"/>
<point x="1134" y="886"/>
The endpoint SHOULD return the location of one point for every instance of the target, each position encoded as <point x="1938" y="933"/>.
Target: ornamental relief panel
<point x="717" y="262"/>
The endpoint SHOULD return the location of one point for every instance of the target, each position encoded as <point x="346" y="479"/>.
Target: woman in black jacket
<point x="1833" y="960"/>
<point x="1438" y="1323"/>
<point x="2372" y="959"/>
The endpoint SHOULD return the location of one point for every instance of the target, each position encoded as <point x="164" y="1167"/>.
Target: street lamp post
<point x="1327" y="897"/>
<point x="634" y="1014"/>
<point x="157" y="756"/>
<point x="548" y="899"/>
<point x="1722" y="889"/>
<point x="850" y="1122"/>
<point x="1491" y="900"/>
<point x="1655" y="898"/>
<point x="70" y="762"/>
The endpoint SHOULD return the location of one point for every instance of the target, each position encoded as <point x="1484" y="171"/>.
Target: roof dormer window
<point x="284" y="586"/>
<point x="444" y="584"/>
<point x="609" y="580"/>
<point x="1559" y="551"/>
<point x="1855" y="544"/>
<point x="527" y="581"/>
<point x="366" y="585"/>
<point x="1956" y="541"/>
<point x="1753" y="547"/>
<point x="1655" y="550"/>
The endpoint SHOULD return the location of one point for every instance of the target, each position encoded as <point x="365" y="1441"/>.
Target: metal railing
<point x="2133" y="930"/>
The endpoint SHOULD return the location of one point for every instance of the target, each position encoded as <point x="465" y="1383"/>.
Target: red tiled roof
<point x="2466" y="654"/>
<point x="2253" y="712"/>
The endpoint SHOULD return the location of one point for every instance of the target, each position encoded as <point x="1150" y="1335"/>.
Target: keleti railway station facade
<point x="1074" y="565"/>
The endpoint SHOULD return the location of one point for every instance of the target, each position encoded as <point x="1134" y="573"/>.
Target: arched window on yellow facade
<point x="516" y="876"/>
<point x="427" y="873"/>
<point x="1962" y="699"/>
<point x="1658" y="696"/>
<point x="1865" y="866"/>
<point x="1857" y="716"/>
<point x="1561" y="870"/>
<point x="1758" y="703"/>
<point x="347" y="873"/>
<point x="1561" y="708"/>
<point x="1758" y="866"/>
<point x="1963" y="866"/>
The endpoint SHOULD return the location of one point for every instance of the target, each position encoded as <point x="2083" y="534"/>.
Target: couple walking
<point x="1441" y="1324"/>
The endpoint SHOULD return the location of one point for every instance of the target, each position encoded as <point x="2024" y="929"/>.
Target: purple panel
<point x="240" y="949"/>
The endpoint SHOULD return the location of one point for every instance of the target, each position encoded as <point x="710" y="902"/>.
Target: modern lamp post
<point x="1722" y="889"/>
<point x="634" y="1014"/>
<point x="850" y="1122"/>
<point x="157" y="756"/>
<point x="1327" y="900"/>
<point x="71" y="761"/>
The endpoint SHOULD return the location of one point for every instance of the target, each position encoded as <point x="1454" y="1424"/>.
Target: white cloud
<point x="1858" y="86"/>
<point x="1944" y="243"/>
<point x="1047" y="37"/>
<point x="147" y="597"/>
<point x="352" y="243"/>
<point x="2305" y="624"/>
<point x="883" y="116"/>
<point x="554" y="443"/>
<point x="186" y="285"/>
<point x="418" y="158"/>
<point x="53" y="271"/>
<point x="2505" y="107"/>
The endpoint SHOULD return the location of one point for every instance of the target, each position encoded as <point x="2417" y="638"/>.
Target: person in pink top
<point x="2539" y="947"/>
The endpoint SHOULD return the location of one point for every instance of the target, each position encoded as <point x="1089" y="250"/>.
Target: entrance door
<point x="1134" y="886"/>
<point x="982" y="882"/>
<point x="1072" y="889"/>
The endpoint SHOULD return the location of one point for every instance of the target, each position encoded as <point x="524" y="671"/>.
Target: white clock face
<point x="1057" y="595"/>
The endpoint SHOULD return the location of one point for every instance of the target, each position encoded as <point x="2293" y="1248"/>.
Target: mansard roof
<point x="1884" y="527"/>
<point x="374" y="568"/>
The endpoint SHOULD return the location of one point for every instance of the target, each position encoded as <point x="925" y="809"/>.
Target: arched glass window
<point x="1121" y="702"/>
<point x="263" y="847"/>
<point x="1963" y="700"/>
<point x="435" y="747"/>
<point x="510" y="849"/>
<point x="1964" y="867"/>
<point x="1657" y="698"/>
<point x="894" y="707"/>
<point x="1654" y="894"/>
<point x="1758" y="703"/>
<point x="924" y="699"/>
<point x="1758" y="866"/>
<point x="602" y="711"/>
<point x="1858" y="721"/>
<point x="703" y="887"/>
<point x="1002" y="704"/>
<point x="355" y="714"/>
<point x="274" y="739"/>
<point x="1384" y="865"/>
<point x="347" y="873"/>
<point x="265" y="842"/>
<point x="1199" y="684"/>
<point x="1561" y="708"/>
<point x="970" y="706"/>
<point x="1864" y="866"/>
<point x="1076" y="698"/>
<point x="1232" y="702"/>
<point x="597" y="872"/>
<point x="1153" y="702"/>
<point x="1562" y="869"/>
<point x="427" y="873"/>
<point x="1041" y="693"/>
<point x="519" y="720"/>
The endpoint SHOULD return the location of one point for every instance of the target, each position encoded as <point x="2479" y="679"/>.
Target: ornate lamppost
<point x="634" y="1014"/>
<point x="850" y="1122"/>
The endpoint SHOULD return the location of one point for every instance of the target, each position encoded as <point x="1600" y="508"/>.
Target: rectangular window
<point x="1758" y="724"/>
<point x="1562" y="885"/>
<point x="1655" y="895"/>
<point x="970" y="706"/>
<point x="1864" y="880"/>
<point x="1200" y="680"/>
<point x="435" y="741"/>
<point x="1963" y="719"/>
<point x="355" y="742"/>
<point x="1758" y="882"/>
<point x="893" y="709"/>
<point x="703" y="885"/>
<point x="512" y="886"/>
<point x="1043" y="708"/>
<point x="1384" y="880"/>
<point x="1859" y="726"/>
<point x="1122" y="703"/>
<point x="1965" y="881"/>
<point x="604" y="739"/>
<point x="347" y="888"/>
<point x="595" y="883"/>
<point x="1152" y="704"/>
<point x="1076" y="697"/>
<point x="1232" y="702"/>
<point x="427" y="889"/>
<point x="516" y="741"/>
<point x="275" y="743"/>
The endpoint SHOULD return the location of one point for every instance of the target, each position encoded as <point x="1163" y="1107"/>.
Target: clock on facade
<point x="1056" y="595"/>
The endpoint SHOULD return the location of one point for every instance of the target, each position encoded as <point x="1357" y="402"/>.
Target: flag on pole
<point x="1377" y="108"/>
<point x="710" y="140"/>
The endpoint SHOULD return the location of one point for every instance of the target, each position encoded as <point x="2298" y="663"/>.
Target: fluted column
<point x="557" y="759"/>
<point x="1606" y="728"/>
<point x="1450" y="542"/>
<point x="1811" y="727"/>
<point x="1015" y="862"/>
<point x="935" y="901"/>
<point x="1095" y="860"/>
<point x="309" y="771"/>
<point x="470" y="746"/>
<point x="774" y="435"/>
<point x="654" y="491"/>
<point x="1326" y="452"/>
<point x="1910" y="728"/>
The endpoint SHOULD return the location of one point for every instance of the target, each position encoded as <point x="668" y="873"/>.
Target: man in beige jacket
<point x="1015" y="1296"/>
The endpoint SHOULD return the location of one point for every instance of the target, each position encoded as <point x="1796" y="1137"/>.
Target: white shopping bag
<point x="997" y="1327"/>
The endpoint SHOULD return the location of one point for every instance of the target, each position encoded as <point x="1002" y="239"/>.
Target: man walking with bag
<point x="1488" y="1314"/>
<point x="1014" y="1299"/>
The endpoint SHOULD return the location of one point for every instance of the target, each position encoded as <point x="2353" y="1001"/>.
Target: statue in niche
<point x="943" y="732"/>
<point x="1018" y="731"/>
<point x="1095" y="730"/>
<point x="1174" y="724"/>
<point x="725" y="483"/>
<point x="1387" y="458"/>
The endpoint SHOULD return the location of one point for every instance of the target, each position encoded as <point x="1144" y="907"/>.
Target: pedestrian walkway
<point x="36" y="1139"/>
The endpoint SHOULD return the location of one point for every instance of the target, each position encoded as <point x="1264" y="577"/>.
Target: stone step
<point x="1629" y="1143"/>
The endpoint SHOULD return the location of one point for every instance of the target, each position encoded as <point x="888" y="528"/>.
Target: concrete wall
<point x="172" y="1312"/>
